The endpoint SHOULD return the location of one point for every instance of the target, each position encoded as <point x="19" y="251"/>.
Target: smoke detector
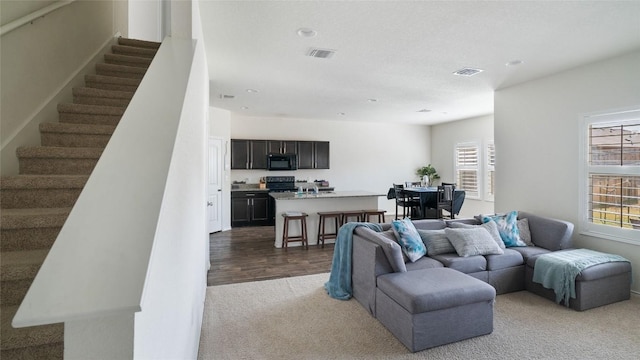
<point x="467" y="72"/>
<point x="320" y="53"/>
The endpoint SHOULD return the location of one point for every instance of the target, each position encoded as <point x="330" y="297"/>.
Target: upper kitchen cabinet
<point x="281" y="147"/>
<point x="313" y="154"/>
<point x="248" y="154"/>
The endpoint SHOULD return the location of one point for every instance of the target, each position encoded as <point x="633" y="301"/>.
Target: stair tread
<point x="70" y="128"/>
<point x="43" y="181"/>
<point x="90" y="109"/>
<point x="58" y="152"/>
<point x="21" y="265"/>
<point x="33" y="217"/>
<point x="135" y="61"/>
<point x="121" y="68"/>
<point x="93" y="92"/>
<point x="14" y="338"/>
<point x="124" y="41"/>
<point x="112" y="80"/>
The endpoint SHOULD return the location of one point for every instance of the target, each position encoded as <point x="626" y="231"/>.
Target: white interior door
<point x="214" y="181"/>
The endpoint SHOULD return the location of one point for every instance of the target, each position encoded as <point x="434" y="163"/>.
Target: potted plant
<point x="427" y="174"/>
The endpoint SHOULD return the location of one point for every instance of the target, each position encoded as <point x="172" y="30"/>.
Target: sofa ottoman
<point x="431" y="307"/>
<point x="597" y="285"/>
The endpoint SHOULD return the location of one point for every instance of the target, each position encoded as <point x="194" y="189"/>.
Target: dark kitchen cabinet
<point x="281" y="147"/>
<point x="313" y="155"/>
<point x="251" y="209"/>
<point x="248" y="154"/>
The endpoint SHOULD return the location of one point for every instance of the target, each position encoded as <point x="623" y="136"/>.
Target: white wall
<point x="537" y="134"/>
<point x="363" y="156"/>
<point x="146" y="19"/>
<point x="40" y="62"/>
<point x="444" y="138"/>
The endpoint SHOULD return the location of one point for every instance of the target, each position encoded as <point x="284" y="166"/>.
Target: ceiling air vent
<point x="467" y="72"/>
<point x="225" y="96"/>
<point x="320" y="53"/>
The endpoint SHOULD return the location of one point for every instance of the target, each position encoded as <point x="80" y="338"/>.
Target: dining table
<point x="428" y="199"/>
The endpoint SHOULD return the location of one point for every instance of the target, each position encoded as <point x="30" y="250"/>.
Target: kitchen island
<point x="314" y="203"/>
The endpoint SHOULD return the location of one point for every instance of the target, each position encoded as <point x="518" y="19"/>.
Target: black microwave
<point x="282" y="162"/>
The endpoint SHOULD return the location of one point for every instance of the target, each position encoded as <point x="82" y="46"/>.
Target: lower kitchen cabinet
<point x="251" y="208"/>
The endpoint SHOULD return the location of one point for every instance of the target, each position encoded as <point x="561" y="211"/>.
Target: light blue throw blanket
<point x="339" y="284"/>
<point x="558" y="270"/>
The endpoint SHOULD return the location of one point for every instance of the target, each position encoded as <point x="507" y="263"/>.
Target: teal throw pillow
<point x="409" y="239"/>
<point x="507" y="227"/>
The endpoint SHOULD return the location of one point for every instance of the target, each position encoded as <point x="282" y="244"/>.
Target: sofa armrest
<point x="548" y="233"/>
<point x="368" y="262"/>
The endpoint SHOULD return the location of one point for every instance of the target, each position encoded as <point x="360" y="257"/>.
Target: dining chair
<point x="405" y="201"/>
<point x="444" y="200"/>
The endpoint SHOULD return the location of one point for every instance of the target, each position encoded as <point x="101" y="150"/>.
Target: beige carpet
<point x="294" y="318"/>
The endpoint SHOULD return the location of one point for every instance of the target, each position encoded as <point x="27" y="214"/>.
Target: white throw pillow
<point x="473" y="241"/>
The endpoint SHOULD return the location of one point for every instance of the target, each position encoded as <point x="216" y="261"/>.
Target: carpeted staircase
<point x="35" y="204"/>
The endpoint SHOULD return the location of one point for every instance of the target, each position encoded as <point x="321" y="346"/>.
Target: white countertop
<point x="324" y="195"/>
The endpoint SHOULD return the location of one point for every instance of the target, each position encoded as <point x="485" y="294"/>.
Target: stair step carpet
<point x="75" y="135"/>
<point x="127" y="60"/>
<point x="93" y="96"/>
<point x="32" y="228"/>
<point x="123" y="71"/>
<point x="48" y="160"/>
<point x="111" y="83"/>
<point x="40" y="191"/>
<point x="89" y="114"/>
<point x="35" y="204"/>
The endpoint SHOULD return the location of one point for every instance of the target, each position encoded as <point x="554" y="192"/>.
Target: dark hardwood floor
<point x="247" y="254"/>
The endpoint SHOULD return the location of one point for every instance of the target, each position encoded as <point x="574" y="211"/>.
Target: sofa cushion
<point x="466" y="265"/>
<point x="423" y="263"/>
<point x="508" y="228"/>
<point x="389" y="246"/>
<point x="525" y="233"/>
<point x="510" y="258"/>
<point x="434" y="289"/>
<point x="491" y="227"/>
<point x="530" y="251"/>
<point x="430" y="224"/>
<point x="473" y="241"/>
<point x="409" y="239"/>
<point x="436" y="242"/>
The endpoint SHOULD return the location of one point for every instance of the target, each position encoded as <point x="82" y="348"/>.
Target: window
<point x="467" y="168"/>
<point x="611" y="174"/>
<point x="490" y="171"/>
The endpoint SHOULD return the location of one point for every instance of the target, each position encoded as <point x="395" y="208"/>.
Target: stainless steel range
<point x="280" y="183"/>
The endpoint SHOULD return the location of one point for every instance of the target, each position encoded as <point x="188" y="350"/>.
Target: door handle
<point x="209" y="203"/>
<point x="219" y="189"/>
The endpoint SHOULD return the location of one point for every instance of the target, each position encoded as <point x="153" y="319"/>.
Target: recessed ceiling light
<point x="306" y="32"/>
<point x="252" y="90"/>
<point x="514" y="63"/>
<point x="468" y="72"/>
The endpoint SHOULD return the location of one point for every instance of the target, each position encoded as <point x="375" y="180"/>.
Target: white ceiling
<point x="400" y="53"/>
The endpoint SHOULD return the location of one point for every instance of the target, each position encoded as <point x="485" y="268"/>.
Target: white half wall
<point x="363" y="156"/>
<point x="444" y="138"/>
<point x="537" y="136"/>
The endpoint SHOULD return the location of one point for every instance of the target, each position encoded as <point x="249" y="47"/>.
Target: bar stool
<point x="286" y="239"/>
<point x="368" y="214"/>
<point x="322" y="222"/>
<point x="346" y="215"/>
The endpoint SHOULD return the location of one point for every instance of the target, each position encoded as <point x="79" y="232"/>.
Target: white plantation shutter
<point x="490" y="170"/>
<point x="611" y="173"/>
<point x="467" y="168"/>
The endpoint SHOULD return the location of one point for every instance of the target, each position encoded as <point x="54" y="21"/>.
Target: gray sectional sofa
<point x="376" y="254"/>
